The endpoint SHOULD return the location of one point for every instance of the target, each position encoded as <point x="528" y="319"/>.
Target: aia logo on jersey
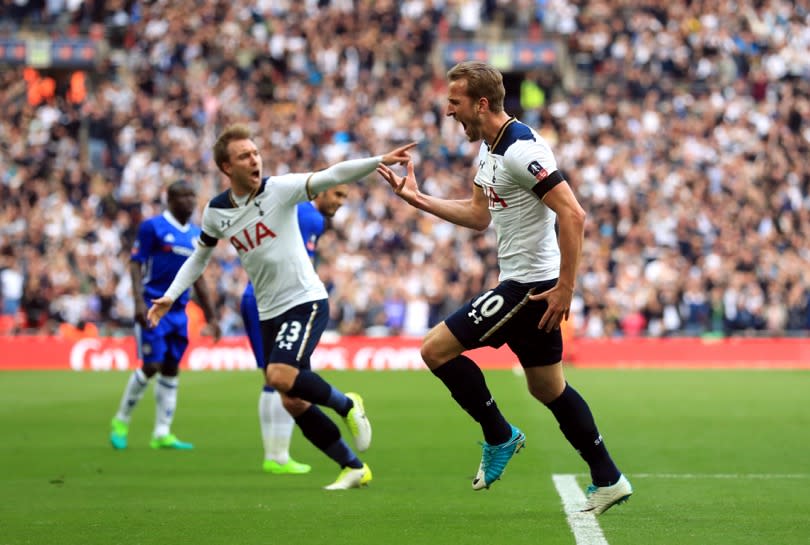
<point x="537" y="171"/>
<point x="495" y="200"/>
<point x="247" y="240"/>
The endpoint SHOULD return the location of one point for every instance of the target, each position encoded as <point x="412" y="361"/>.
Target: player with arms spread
<point x="258" y="217"/>
<point x="275" y="422"/>
<point x="519" y="189"/>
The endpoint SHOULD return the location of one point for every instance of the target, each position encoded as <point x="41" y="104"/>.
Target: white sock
<point x="165" y="404"/>
<point x="136" y="386"/>
<point x="277" y="427"/>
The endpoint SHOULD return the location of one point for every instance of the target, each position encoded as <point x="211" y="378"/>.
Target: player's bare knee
<point x="439" y="346"/>
<point x="430" y="354"/>
<point x="280" y="376"/>
<point x="437" y="350"/>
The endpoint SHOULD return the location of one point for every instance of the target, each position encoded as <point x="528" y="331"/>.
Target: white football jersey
<point x="265" y="234"/>
<point x="514" y="173"/>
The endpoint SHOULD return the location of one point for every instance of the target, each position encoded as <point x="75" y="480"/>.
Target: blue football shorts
<point x="252" y="323"/>
<point x="167" y="342"/>
<point x="292" y="336"/>
<point x="505" y="315"/>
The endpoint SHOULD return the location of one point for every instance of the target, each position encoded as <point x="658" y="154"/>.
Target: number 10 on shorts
<point x="485" y="306"/>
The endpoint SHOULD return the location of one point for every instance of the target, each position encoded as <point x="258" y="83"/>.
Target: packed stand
<point x="682" y="129"/>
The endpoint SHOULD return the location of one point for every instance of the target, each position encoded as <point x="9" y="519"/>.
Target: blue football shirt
<point x="162" y="246"/>
<point x="312" y="225"/>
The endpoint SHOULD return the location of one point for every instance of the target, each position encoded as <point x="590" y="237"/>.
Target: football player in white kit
<point x="519" y="189"/>
<point x="258" y="217"/>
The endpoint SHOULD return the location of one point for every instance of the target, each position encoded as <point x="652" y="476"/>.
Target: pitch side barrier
<point x="402" y="354"/>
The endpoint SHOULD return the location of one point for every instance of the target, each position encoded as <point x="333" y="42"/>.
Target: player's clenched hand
<point x="158" y="310"/>
<point x="404" y="186"/>
<point x="399" y="155"/>
<point x="558" y="299"/>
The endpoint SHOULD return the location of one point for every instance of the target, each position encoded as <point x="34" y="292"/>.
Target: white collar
<point x="175" y="222"/>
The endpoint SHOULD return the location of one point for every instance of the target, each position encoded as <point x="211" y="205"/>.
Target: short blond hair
<point x="483" y="81"/>
<point x="230" y="134"/>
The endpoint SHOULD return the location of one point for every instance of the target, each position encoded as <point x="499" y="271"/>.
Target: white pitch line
<point x="584" y="525"/>
<point x="742" y="476"/>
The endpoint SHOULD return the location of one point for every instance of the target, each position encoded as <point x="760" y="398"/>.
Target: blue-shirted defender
<point x="163" y="244"/>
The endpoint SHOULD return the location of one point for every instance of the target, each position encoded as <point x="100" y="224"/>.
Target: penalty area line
<point x="584" y="526"/>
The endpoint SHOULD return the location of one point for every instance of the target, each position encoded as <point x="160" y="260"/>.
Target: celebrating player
<point x="258" y="217"/>
<point x="275" y="422"/>
<point x="518" y="187"/>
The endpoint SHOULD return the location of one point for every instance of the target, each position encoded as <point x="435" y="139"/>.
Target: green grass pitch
<point x="716" y="457"/>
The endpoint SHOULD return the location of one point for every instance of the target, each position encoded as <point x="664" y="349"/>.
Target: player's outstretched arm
<point x="354" y="169"/>
<point x="472" y="212"/>
<point x="398" y="156"/>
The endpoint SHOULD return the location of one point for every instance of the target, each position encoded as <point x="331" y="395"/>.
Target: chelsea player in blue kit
<point x="276" y="423"/>
<point x="163" y="244"/>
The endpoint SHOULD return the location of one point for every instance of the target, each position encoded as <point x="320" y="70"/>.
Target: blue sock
<point x="578" y="426"/>
<point x="340" y="452"/>
<point x="311" y="387"/>
<point x="325" y="435"/>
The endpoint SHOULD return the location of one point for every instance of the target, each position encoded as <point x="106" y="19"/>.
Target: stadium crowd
<point x="682" y="126"/>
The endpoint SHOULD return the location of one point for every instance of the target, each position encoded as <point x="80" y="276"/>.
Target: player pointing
<point x="257" y="216"/>
<point x="275" y="422"/>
